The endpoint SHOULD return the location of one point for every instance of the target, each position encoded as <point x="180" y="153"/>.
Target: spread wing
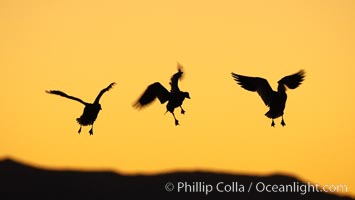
<point x="103" y="91"/>
<point x="60" y="93"/>
<point x="175" y="79"/>
<point x="294" y="80"/>
<point x="155" y="90"/>
<point x="255" y="84"/>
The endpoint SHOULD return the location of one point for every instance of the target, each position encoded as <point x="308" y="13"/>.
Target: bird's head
<point x="187" y="95"/>
<point x="98" y="107"/>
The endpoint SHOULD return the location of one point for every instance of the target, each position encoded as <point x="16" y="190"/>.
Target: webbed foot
<point x="283" y="122"/>
<point x="91" y="132"/>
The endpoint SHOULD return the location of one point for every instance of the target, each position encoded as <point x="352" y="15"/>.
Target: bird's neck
<point x="281" y="88"/>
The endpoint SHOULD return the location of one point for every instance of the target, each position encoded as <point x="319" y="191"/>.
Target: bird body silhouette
<point x="175" y="97"/>
<point x="275" y="100"/>
<point x="91" y="110"/>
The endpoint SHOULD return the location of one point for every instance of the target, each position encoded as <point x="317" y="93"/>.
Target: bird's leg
<point x="91" y="130"/>
<point x="176" y="121"/>
<point x="273" y="123"/>
<point x="79" y="131"/>
<point x="282" y="121"/>
<point x="182" y="110"/>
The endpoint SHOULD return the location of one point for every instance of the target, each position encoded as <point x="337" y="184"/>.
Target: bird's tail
<point x="273" y="115"/>
<point x="268" y="114"/>
<point x="79" y="120"/>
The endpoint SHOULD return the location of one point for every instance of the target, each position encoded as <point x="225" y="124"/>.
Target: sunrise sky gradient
<point x="81" y="46"/>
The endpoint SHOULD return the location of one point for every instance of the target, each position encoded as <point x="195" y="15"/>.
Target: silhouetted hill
<point x="20" y="181"/>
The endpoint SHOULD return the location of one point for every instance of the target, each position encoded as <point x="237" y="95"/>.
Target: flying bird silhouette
<point x="175" y="97"/>
<point x="276" y="101"/>
<point x="91" y="110"/>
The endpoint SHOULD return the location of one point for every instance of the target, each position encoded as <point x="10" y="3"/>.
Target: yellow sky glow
<point x="80" y="47"/>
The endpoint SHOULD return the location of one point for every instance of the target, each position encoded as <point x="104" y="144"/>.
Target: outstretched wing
<point x="255" y="84"/>
<point x="155" y="90"/>
<point x="175" y="79"/>
<point x="103" y="91"/>
<point x="294" y="80"/>
<point x="60" y="93"/>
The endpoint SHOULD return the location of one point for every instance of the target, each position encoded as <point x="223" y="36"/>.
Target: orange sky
<point x="81" y="46"/>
